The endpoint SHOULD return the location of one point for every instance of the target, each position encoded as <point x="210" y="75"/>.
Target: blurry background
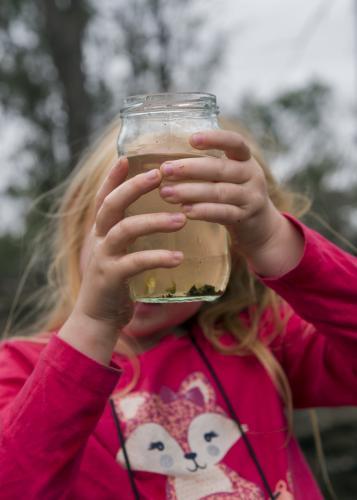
<point x="286" y="68"/>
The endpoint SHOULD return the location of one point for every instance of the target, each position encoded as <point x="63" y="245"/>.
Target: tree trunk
<point x="64" y="26"/>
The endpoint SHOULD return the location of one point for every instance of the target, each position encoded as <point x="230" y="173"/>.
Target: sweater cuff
<point x="308" y="263"/>
<point x="76" y="366"/>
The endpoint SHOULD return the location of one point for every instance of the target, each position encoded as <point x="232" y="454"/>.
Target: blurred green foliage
<point x="299" y="129"/>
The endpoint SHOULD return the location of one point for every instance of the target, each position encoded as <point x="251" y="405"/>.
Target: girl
<point x="198" y="412"/>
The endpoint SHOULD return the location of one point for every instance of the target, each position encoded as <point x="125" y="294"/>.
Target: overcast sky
<point x="282" y="43"/>
<point x="274" y="45"/>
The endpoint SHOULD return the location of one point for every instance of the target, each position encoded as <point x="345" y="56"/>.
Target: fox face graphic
<point x="184" y="436"/>
<point x="154" y="449"/>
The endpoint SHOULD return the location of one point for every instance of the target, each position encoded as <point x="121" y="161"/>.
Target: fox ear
<point x="128" y="406"/>
<point x="197" y="387"/>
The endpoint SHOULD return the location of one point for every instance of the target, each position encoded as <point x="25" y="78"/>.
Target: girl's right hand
<point x="104" y="293"/>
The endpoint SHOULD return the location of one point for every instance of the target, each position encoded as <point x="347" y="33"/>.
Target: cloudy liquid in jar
<point x="205" y="269"/>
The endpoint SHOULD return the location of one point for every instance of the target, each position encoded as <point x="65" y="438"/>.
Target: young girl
<point x="199" y="411"/>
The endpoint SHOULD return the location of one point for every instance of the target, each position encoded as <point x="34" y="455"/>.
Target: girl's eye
<point x="209" y="436"/>
<point x="157" y="445"/>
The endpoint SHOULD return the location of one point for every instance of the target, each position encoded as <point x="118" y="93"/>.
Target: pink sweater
<point x="58" y="438"/>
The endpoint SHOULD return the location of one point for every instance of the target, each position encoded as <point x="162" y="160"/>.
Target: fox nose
<point x="190" y="456"/>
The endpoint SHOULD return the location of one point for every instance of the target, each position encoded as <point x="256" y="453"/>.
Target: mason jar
<point x="155" y="129"/>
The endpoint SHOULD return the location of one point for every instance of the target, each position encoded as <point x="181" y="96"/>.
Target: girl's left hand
<point x="232" y="191"/>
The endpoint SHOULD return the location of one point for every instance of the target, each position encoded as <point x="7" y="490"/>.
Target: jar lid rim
<point x="169" y="100"/>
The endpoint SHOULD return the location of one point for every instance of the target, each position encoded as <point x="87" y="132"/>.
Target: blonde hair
<point x="71" y="219"/>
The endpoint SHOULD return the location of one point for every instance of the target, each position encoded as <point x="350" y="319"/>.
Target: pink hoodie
<point x="58" y="437"/>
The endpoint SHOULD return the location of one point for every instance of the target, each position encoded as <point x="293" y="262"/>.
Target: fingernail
<point x="186" y="208"/>
<point x="167" y="191"/>
<point x="177" y="255"/>
<point x="178" y="217"/>
<point x="152" y="174"/>
<point x="197" y="139"/>
<point x="168" y="169"/>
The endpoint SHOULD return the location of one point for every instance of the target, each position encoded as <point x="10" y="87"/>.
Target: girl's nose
<point x="190" y="456"/>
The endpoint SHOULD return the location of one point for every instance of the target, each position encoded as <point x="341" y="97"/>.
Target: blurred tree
<point x="172" y="47"/>
<point x="46" y="77"/>
<point x="63" y="27"/>
<point x="42" y="80"/>
<point x="42" y="83"/>
<point x="141" y="50"/>
<point x="49" y="82"/>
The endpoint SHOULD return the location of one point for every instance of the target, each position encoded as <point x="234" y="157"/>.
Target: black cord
<point x="234" y="416"/>
<point x="126" y="457"/>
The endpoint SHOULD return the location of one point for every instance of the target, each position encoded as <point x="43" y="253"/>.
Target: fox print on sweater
<point x="184" y="435"/>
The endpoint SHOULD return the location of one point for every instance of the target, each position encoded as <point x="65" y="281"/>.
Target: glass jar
<point x="154" y="129"/>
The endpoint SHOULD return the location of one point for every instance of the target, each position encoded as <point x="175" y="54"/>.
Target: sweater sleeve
<point x="319" y="344"/>
<point x="47" y="414"/>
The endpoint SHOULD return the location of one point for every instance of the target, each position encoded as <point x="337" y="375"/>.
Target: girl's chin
<point x="151" y="318"/>
<point x="144" y="321"/>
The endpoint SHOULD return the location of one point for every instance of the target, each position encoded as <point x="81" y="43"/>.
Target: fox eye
<point x="157" y="445"/>
<point x="209" y="436"/>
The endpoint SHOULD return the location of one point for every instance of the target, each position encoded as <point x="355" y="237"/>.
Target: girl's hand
<point x="232" y="191"/>
<point x="104" y="294"/>
<point x="104" y="306"/>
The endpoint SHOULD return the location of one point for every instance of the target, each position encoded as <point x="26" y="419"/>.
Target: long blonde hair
<point x="66" y="231"/>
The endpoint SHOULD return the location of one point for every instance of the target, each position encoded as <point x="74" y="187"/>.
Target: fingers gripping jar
<point x="156" y="129"/>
